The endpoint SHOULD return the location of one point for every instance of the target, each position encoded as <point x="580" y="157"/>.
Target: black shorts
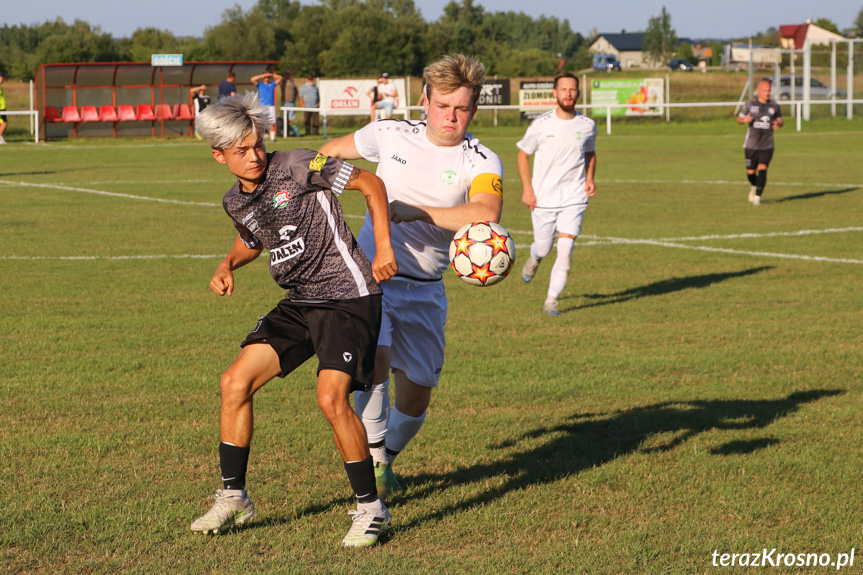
<point x="343" y="334"/>
<point x="755" y="158"/>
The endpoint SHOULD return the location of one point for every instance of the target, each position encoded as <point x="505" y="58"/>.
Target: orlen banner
<point x="348" y="97"/>
<point x="636" y="94"/>
<point x="534" y="98"/>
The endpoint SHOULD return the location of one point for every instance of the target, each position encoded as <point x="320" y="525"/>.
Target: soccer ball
<point x="482" y="253"/>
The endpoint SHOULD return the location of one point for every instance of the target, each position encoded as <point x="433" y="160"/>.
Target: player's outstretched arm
<point x="223" y="280"/>
<point x="483" y="207"/>
<point x="343" y="148"/>
<point x="373" y="188"/>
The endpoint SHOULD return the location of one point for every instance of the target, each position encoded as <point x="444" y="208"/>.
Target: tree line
<point x="342" y="38"/>
<point x="337" y="38"/>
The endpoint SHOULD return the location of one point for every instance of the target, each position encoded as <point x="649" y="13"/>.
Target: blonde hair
<point x="453" y="72"/>
<point x="230" y="120"/>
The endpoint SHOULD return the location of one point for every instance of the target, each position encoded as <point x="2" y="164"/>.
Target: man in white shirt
<point x="564" y="142"/>
<point x="387" y="93"/>
<point x="438" y="179"/>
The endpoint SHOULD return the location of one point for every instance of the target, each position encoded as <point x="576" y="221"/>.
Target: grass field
<point x="699" y="394"/>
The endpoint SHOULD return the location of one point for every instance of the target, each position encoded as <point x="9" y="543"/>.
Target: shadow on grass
<point x="590" y="440"/>
<point x="812" y="195"/>
<point x="666" y="287"/>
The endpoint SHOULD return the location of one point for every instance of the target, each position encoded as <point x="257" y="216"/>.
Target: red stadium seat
<point x="108" y="114"/>
<point x="183" y="112"/>
<point x="71" y="115"/>
<point x="163" y="112"/>
<point x="145" y="112"/>
<point x="52" y="114"/>
<point x="90" y="114"/>
<point x="126" y="113"/>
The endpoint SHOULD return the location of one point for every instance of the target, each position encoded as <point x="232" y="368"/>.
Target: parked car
<point x="817" y="90"/>
<point x="681" y="64"/>
<point x="606" y="63"/>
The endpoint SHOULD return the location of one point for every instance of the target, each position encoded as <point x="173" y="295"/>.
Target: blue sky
<point x="690" y="18"/>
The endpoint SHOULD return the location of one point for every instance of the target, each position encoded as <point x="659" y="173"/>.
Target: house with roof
<point x="794" y="36"/>
<point x="626" y="46"/>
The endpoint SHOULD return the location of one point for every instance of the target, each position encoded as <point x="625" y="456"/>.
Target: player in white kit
<point x="564" y="142"/>
<point x="438" y="179"/>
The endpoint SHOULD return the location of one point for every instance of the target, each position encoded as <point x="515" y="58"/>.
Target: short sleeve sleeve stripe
<point x="342" y="178"/>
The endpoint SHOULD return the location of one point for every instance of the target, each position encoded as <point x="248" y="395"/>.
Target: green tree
<point x="147" y="41"/>
<point x="660" y="39"/>
<point x="241" y="36"/>
<point x="395" y="46"/>
<point x="308" y="41"/>
<point x="685" y="51"/>
<point x="827" y="24"/>
<point x="858" y="24"/>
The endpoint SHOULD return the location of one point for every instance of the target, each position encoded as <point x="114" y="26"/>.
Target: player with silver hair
<point x="439" y="178"/>
<point x="287" y="202"/>
<point x="232" y="120"/>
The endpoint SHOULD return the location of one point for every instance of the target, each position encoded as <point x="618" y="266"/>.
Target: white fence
<point x="797" y="107"/>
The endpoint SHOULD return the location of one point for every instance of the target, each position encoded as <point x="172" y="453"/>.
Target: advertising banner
<point x="348" y="97"/>
<point x="534" y="98"/>
<point x="495" y="93"/>
<point x="637" y="94"/>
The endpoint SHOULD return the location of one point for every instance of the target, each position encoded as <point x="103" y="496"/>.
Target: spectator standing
<point x="200" y="100"/>
<point x="310" y="97"/>
<point x="388" y="94"/>
<point x="227" y="88"/>
<point x="289" y="100"/>
<point x="374" y="94"/>
<point x="266" y="84"/>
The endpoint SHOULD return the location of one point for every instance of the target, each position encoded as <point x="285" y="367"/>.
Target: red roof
<point x="797" y="33"/>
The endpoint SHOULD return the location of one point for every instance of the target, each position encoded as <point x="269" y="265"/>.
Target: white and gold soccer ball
<point x="482" y="253"/>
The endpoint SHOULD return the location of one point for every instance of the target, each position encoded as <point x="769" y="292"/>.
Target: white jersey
<point x="558" y="166"/>
<point x="418" y="172"/>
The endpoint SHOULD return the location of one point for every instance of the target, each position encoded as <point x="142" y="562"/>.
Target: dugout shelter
<point x="105" y="99"/>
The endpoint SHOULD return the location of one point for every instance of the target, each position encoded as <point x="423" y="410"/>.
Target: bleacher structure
<point x="112" y="99"/>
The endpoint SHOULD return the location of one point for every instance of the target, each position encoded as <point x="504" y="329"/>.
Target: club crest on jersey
<point x="448" y="177"/>
<point x="318" y="162"/>
<point x="281" y="199"/>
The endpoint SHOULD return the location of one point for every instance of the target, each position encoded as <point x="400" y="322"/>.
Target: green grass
<point x="688" y="399"/>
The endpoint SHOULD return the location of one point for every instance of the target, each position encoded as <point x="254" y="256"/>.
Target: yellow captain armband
<point x="486" y="184"/>
<point x="318" y="162"/>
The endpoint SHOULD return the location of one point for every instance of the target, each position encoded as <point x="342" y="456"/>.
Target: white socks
<point x="402" y="428"/>
<point x="560" y="270"/>
<point x="373" y="407"/>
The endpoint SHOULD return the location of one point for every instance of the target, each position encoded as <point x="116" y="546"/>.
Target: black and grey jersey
<point x="295" y="214"/>
<point x="759" y="135"/>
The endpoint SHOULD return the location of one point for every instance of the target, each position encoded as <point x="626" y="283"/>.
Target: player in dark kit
<point x="762" y="115"/>
<point x="286" y="202"/>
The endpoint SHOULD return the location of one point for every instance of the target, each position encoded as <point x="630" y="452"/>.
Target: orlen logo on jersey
<point x="287" y="251"/>
<point x="763" y="123"/>
<point x="281" y="199"/>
